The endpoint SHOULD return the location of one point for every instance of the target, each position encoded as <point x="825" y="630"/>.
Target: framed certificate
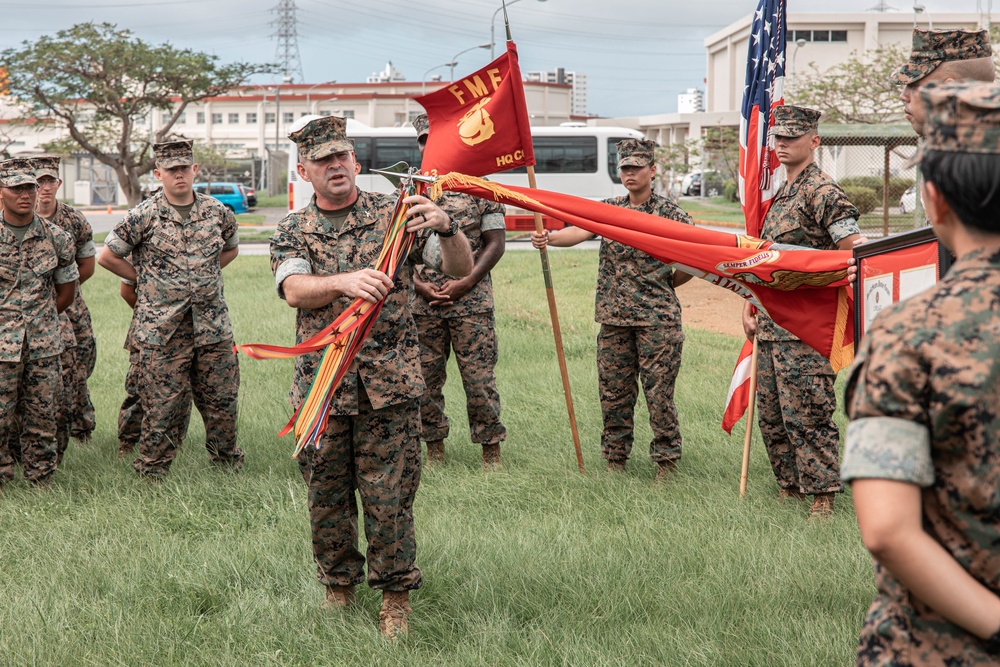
<point x="893" y="269"/>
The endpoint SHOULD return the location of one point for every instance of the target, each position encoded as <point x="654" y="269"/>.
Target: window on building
<point x="821" y="35"/>
<point x="234" y="118"/>
<point x="838" y="35"/>
<point x="216" y="119"/>
<point x="251" y="119"/>
<point x="200" y="119"/>
<point x="164" y="118"/>
<point x="802" y="34"/>
<point x="268" y="118"/>
<point x="324" y="113"/>
<point x="182" y="118"/>
<point x="349" y="113"/>
<point x="288" y="117"/>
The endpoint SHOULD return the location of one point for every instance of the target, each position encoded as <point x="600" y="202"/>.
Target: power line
<point x="287" y="32"/>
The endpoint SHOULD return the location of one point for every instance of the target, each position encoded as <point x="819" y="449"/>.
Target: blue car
<point x="230" y="194"/>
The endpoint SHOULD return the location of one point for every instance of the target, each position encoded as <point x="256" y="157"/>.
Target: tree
<point x="103" y="83"/>
<point x="212" y="162"/>
<point x="857" y="90"/>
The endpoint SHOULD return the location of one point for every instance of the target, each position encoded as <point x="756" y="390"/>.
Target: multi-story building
<point x="578" y="81"/>
<point x="691" y="101"/>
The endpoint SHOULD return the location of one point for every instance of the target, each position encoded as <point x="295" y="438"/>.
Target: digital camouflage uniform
<point x="931" y="48"/>
<point x="923" y="397"/>
<point x="640" y="339"/>
<point x="924" y="409"/>
<point x="182" y="326"/>
<point x="795" y="396"/>
<point x="30" y="338"/>
<point x="80" y="354"/>
<point x="467" y="326"/>
<point x="372" y="442"/>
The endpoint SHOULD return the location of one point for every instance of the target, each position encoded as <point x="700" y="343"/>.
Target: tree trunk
<point x="128" y="179"/>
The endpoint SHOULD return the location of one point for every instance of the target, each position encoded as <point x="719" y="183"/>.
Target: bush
<point x="897" y="185"/>
<point x="731" y="191"/>
<point x="866" y="199"/>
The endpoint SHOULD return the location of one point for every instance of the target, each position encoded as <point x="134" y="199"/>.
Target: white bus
<point x="572" y="158"/>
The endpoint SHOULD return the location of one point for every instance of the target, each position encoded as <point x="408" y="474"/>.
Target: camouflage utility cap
<point x="17" y="171"/>
<point x="635" y="152"/>
<point x="791" y="121"/>
<point x="322" y="137"/>
<point x="962" y="117"/>
<point x="46" y="165"/>
<point x="422" y="125"/>
<point x="933" y="47"/>
<point x="173" y="154"/>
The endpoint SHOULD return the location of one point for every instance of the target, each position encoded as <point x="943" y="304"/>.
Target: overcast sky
<point x="637" y="54"/>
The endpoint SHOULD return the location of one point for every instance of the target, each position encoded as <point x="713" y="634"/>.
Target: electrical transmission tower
<point x="286" y="54"/>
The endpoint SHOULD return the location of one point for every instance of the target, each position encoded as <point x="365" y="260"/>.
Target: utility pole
<point x="286" y="31"/>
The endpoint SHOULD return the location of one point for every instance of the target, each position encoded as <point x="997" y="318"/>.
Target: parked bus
<point x="572" y="158"/>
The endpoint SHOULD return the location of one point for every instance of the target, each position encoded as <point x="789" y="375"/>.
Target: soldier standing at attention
<point x="37" y="281"/>
<point x="80" y="356"/>
<point x="942" y="55"/>
<point x="180" y="241"/>
<point x="795" y="394"/>
<point x="458" y="315"/>
<point x="641" y="336"/>
<point x="922" y="451"/>
<point x="322" y="258"/>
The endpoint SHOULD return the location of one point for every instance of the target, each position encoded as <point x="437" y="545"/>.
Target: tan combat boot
<point x="792" y="494"/>
<point x="435" y="451"/>
<point x="340" y="597"/>
<point x="822" y="506"/>
<point x="491" y="457"/>
<point x="664" y="469"/>
<point x="616" y="465"/>
<point x="394" y="618"/>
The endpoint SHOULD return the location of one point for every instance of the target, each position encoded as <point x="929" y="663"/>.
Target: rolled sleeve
<point x="230" y="231"/>
<point x="88" y="249"/>
<point x="66" y="274"/>
<point x="888" y="448"/>
<point x="492" y="221"/>
<point x="118" y="246"/>
<point x="290" y="267"/>
<point x="842" y="229"/>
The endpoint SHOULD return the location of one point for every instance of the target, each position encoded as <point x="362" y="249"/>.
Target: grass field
<point x="531" y="565"/>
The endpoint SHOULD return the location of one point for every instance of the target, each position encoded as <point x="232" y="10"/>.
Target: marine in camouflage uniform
<point x="640" y="337"/>
<point x="923" y="446"/>
<point x="940" y="55"/>
<point x="322" y="259"/>
<point x="182" y="325"/>
<point x="795" y="396"/>
<point x="37" y="279"/>
<point x="464" y="324"/>
<point x="130" y="413"/>
<point x="80" y="355"/>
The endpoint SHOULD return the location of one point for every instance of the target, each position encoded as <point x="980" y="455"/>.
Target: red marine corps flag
<point x="479" y="124"/>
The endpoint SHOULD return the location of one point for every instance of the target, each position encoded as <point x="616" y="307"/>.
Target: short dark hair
<point x="970" y="183"/>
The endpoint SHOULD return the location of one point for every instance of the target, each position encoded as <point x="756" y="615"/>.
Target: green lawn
<point x="533" y="565"/>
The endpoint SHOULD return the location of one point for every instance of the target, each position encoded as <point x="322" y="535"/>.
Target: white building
<point x="691" y="101"/>
<point x="578" y="81"/>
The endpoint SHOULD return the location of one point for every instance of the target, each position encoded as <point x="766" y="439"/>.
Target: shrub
<point x="897" y="186"/>
<point x="731" y="191"/>
<point x="866" y="199"/>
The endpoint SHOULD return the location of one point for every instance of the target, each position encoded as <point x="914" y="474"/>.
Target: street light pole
<point x="423" y="84"/>
<point x="493" y="22"/>
<point x="312" y="88"/>
<point x="454" y="59"/>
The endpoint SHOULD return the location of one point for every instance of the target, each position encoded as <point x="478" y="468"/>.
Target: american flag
<point x="763" y="90"/>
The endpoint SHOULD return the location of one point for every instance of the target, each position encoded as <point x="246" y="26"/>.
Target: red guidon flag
<point x="479" y="124"/>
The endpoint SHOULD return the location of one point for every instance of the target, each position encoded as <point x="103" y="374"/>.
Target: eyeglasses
<point x="48" y="183"/>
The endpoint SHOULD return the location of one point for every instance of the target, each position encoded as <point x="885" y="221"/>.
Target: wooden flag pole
<point x="745" y="469"/>
<point x="556" y="332"/>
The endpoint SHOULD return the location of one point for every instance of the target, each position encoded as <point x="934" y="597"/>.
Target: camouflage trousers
<point x="377" y="454"/>
<point x="474" y="340"/>
<point x="795" y="406"/>
<point x="170" y="377"/>
<point x="625" y="356"/>
<point x="130" y="413"/>
<point x="30" y="390"/>
<point x="81" y="408"/>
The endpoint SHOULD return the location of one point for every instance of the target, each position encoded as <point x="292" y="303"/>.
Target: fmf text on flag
<point x="479" y="124"/>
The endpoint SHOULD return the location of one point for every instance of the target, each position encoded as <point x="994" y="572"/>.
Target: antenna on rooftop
<point x="286" y="31"/>
<point x="882" y="6"/>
